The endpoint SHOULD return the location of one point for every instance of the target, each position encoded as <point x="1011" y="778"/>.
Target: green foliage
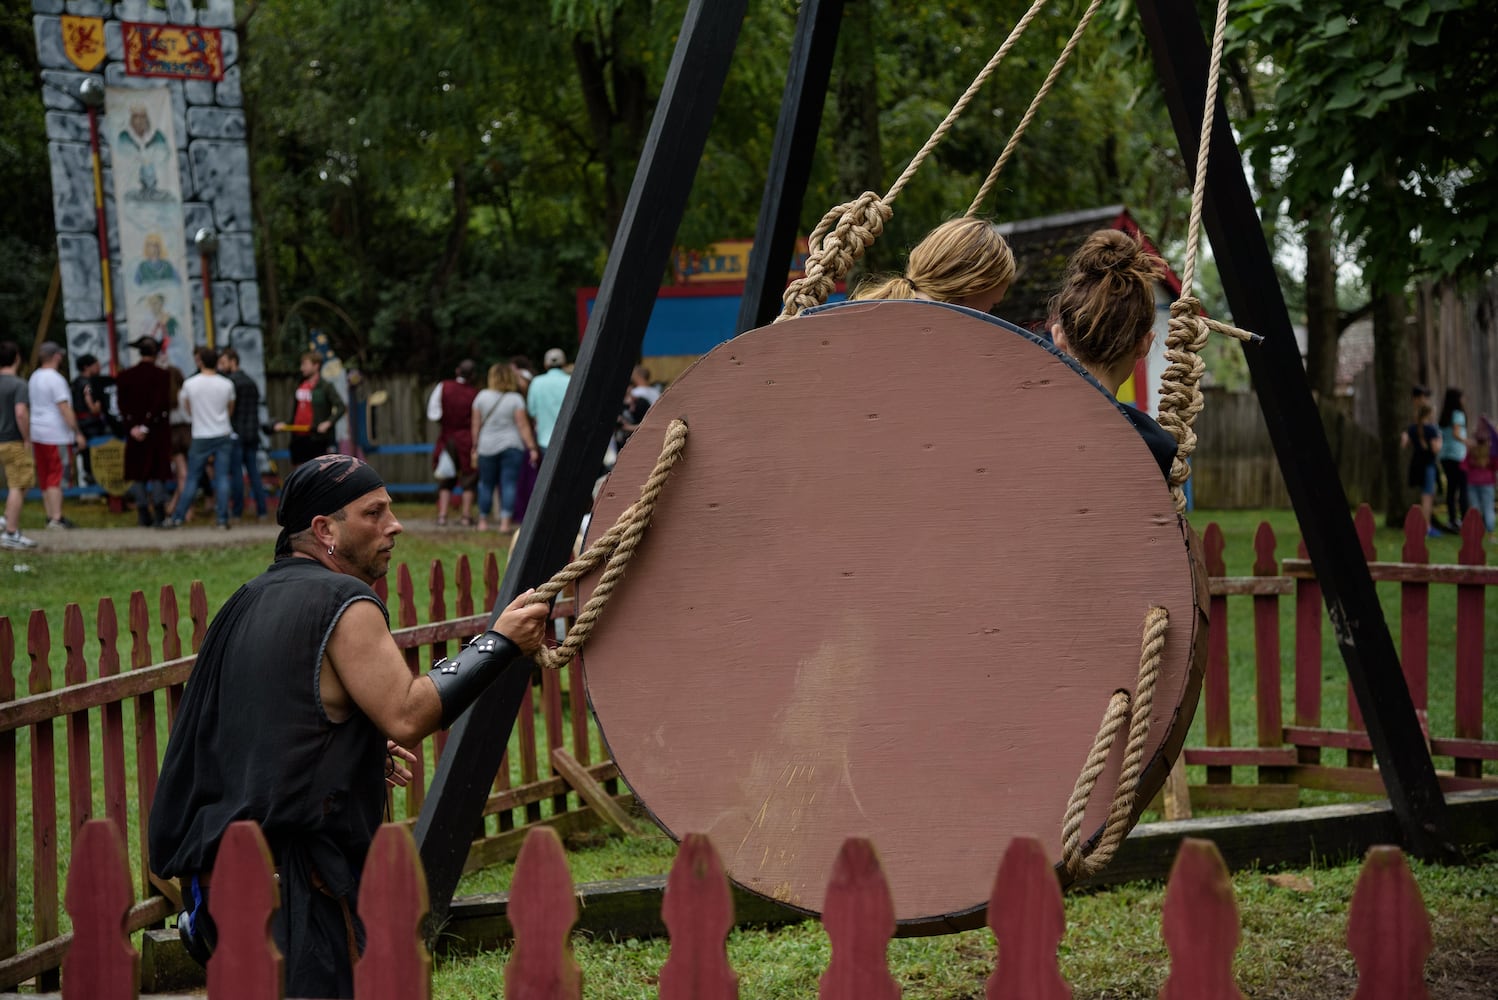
<point x="1388" y="111"/>
<point x="27" y="250"/>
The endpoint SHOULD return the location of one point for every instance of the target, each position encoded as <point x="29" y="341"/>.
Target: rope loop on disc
<point x="613" y="551"/>
<point x="1120" y="713"/>
<point x="839" y="240"/>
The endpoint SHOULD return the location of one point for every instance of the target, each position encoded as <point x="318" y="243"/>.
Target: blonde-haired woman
<point x="502" y="442"/>
<point x="965" y="261"/>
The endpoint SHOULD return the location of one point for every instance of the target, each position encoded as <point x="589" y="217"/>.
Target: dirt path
<point x="193" y="535"/>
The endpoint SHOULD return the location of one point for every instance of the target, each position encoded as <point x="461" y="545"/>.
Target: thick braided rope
<point x="613" y="550"/>
<point x="1024" y="123"/>
<point x="849" y="229"/>
<point x="1180" y="385"/>
<point x="1121" y="810"/>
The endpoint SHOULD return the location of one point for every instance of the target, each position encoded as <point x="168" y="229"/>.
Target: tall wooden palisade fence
<point x="1291" y="757"/>
<point x="1388" y="930"/>
<point x="152" y="686"/>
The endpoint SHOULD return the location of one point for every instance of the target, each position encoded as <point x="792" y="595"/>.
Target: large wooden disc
<point x="888" y="592"/>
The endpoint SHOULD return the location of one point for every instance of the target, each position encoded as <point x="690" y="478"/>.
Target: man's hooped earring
<point x="330" y="550"/>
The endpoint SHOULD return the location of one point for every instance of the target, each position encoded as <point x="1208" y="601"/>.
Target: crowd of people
<point x="1447" y="456"/>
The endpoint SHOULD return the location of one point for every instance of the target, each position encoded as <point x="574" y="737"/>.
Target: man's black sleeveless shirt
<point x="251" y="740"/>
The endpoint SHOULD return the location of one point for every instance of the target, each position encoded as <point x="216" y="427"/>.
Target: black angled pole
<point x="790" y="161"/>
<point x="610" y="348"/>
<point x="1305" y="458"/>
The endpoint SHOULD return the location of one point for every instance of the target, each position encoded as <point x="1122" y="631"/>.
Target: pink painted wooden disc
<point x="887" y="593"/>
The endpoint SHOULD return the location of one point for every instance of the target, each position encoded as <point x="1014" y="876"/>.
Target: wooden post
<point x="101" y="963"/>
<point x="1294" y="422"/>
<point x="859" y="917"/>
<point x="1028" y="920"/>
<point x="542" y="911"/>
<point x="1307" y="660"/>
<point x="43" y="799"/>
<point x="610" y="348"/>
<point x="1200" y="926"/>
<point x="1388" y="929"/>
<point x="698" y="911"/>
<point x="245" y="963"/>
<point x="1469" y="645"/>
<point x="791" y="157"/>
<point x="1219" y="696"/>
<point x="1271" y="728"/>
<point x="392" y="900"/>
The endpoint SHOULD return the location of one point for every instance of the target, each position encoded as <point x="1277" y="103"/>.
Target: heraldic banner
<point x="148" y="207"/>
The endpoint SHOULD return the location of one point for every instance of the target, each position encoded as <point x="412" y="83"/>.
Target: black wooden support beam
<point x="790" y="161"/>
<point x="1305" y="459"/>
<point x="610" y="348"/>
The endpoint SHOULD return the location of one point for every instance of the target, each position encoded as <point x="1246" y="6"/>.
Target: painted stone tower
<point x="151" y="91"/>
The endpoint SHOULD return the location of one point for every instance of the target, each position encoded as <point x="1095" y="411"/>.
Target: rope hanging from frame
<point x="849" y="229"/>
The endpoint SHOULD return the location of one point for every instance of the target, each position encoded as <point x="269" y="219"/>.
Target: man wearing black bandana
<point x="297" y="704"/>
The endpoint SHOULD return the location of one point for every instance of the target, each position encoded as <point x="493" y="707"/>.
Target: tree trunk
<point x="1391" y="368"/>
<point x="618" y="119"/>
<point x="457" y="231"/>
<point x="1322" y="326"/>
<point x="860" y="162"/>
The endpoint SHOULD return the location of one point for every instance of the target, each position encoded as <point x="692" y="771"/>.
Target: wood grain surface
<point x="888" y="593"/>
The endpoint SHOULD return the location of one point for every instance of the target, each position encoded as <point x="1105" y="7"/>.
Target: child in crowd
<point x="1481" y="467"/>
<point x="1104" y="317"/>
<point x="963" y="261"/>
<point x="1425" y="439"/>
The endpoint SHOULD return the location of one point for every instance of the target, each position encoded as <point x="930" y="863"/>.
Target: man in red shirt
<point x="451" y="408"/>
<point x="318" y="408"/>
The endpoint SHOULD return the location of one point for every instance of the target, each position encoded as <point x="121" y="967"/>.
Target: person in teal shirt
<point x="544" y="398"/>
<point x="1453" y="427"/>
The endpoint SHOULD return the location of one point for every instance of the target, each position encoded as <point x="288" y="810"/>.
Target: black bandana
<point x="319" y="488"/>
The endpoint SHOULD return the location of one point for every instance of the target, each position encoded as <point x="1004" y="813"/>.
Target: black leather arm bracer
<point x="462" y="678"/>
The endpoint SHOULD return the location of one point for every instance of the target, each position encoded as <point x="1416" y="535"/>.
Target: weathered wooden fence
<point x="1388" y="929"/>
<point x="1289" y="758"/>
<point x="551" y="772"/>
<point x="1235" y="466"/>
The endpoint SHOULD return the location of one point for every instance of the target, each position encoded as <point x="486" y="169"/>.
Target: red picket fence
<point x="1388" y="929"/>
<point x="148" y="694"/>
<point x="1289" y="758"/>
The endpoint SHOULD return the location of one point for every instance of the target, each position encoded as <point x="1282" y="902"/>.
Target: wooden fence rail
<point x="1388" y="929"/>
<point x="153" y="686"/>
<point x="1290" y="757"/>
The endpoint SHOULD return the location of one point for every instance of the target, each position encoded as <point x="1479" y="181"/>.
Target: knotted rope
<point x="849" y="229"/>
<point x="613" y="551"/>
<point x="1180" y="385"/>
<point x="1076" y="863"/>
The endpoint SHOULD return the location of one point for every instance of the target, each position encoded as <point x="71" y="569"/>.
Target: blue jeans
<point x="221" y="450"/>
<point x="245" y="461"/>
<point x="502" y="469"/>
<point x="1482" y="499"/>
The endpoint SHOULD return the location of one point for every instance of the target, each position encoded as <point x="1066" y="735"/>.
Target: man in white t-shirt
<point x="54" y="427"/>
<point x="208" y="398"/>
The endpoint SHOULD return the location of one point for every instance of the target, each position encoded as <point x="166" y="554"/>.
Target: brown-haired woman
<point x="1104" y="316"/>
<point x="964" y="261"/>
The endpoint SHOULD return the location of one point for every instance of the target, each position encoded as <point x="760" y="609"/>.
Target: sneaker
<point x="223" y="525"/>
<point x="61" y="523"/>
<point x="171" y="522"/>
<point x="1433" y="533"/>
<point x="2" y="522"/>
<point x="15" y="540"/>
